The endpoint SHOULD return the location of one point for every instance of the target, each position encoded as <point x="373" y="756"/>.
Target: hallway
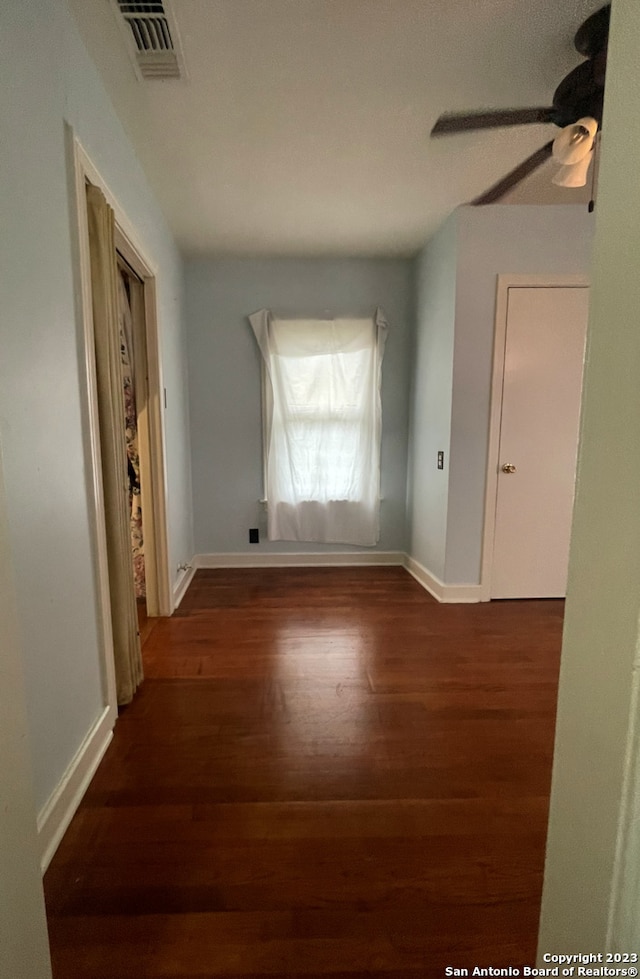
<point x="324" y="773"/>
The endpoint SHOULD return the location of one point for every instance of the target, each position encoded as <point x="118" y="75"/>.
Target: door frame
<point x="127" y="243"/>
<point x="504" y="283"/>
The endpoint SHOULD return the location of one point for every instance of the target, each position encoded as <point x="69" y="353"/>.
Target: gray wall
<point x="435" y="298"/>
<point x="493" y="240"/>
<point x="47" y="79"/>
<point x="456" y="277"/>
<point x="591" y="896"/>
<point x="224" y="383"/>
<point x="24" y="950"/>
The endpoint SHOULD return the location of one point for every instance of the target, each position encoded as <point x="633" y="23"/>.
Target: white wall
<point x="47" y="80"/>
<point x="224" y="383"/>
<point x="457" y="277"/>
<point x="431" y="397"/>
<point x="24" y="951"/>
<point x="591" y="897"/>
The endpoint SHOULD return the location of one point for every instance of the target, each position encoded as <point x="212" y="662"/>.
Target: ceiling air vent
<point x="152" y="38"/>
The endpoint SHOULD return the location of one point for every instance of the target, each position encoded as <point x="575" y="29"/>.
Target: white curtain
<point x="323" y="422"/>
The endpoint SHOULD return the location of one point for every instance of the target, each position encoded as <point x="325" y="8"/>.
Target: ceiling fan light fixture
<point x="575" y="142"/>
<point x="573" y="174"/>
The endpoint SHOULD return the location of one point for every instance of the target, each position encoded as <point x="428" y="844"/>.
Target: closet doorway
<point x="144" y="422"/>
<point x="134" y="293"/>
<point x="539" y="347"/>
<point x="134" y="383"/>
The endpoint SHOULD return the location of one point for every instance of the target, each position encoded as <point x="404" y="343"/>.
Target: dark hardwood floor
<point x="325" y="773"/>
<point x="145" y="624"/>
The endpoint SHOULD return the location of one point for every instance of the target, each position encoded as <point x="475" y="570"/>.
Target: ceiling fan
<point x="576" y="109"/>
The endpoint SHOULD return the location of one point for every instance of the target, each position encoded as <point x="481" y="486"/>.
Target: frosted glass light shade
<point x="575" y="142"/>
<point x="573" y="175"/>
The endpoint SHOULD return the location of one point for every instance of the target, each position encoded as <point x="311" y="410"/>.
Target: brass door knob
<point x="508" y="467"/>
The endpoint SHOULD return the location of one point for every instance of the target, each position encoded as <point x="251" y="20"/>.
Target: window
<point x="322" y="427"/>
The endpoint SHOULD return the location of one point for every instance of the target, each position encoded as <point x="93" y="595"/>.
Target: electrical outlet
<point x="254" y="536"/>
<point x="441" y="459"/>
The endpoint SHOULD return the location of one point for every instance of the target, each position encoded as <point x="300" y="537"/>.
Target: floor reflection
<point x="321" y="669"/>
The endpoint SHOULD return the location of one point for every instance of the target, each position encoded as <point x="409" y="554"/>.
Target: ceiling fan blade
<point x="513" y="178"/>
<point x="462" y="122"/>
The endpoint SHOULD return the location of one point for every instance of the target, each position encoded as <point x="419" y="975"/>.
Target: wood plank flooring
<point x="325" y="773"/>
<point x="145" y="624"/>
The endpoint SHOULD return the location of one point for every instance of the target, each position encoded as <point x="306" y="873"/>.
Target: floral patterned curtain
<point x="131" y="422"/>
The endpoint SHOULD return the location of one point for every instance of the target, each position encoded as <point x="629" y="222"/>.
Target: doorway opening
<point x="134" y="384"/>
<point x="144" y="423"/>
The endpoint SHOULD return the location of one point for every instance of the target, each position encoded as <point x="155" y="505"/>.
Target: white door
<point x="542" y="387"/>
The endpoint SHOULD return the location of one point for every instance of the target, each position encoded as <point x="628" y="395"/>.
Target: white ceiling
<point x="303" y="128"/>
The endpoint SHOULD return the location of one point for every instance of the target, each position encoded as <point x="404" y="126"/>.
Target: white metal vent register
<point x="152" y="38"/>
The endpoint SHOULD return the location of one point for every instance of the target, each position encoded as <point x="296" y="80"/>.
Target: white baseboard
<point x="57" y="813"/>
<point x="447" y="594"/>
<point x="450" y="594"/>
<point x="180" y="589"/>
<point x="299" y="559"/>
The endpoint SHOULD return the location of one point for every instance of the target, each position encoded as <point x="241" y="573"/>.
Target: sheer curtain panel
<point x="323" y="423"/>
